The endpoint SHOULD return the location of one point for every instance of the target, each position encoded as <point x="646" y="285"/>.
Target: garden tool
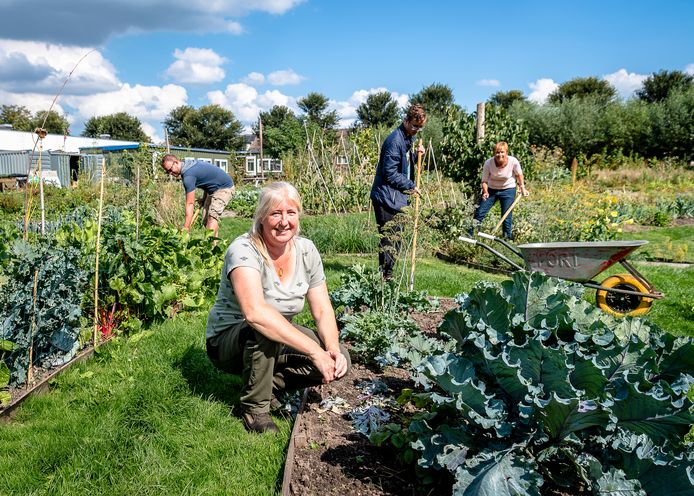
<point x="507" y="213"/>
<point x="416" y="215"/>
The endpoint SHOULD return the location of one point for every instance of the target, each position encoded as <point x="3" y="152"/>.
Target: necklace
<point x="279" y="262"/>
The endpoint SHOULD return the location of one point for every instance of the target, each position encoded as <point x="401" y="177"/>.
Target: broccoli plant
<point x="545" y="388"/>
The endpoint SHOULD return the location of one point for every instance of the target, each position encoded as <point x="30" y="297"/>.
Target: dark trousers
<point x="265" y="366"/>
<point x="505" y="197"/>
<point x="389" y="246"/>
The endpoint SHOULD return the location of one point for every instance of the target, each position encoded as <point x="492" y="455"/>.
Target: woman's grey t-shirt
<point x="288" y="299"/>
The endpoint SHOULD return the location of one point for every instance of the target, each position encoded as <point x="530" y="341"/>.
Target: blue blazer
<point x="395" y="171"/>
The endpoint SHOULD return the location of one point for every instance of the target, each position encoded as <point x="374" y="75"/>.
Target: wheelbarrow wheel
<point x="619" y="304"/>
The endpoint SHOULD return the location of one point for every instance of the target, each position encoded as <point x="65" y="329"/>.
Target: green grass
<point x="149" y="416"/>
<point x="671" y="243"/>
<point x="348" y="233"/>
<point x="675" y="312"/>
<point x="437" y="277"/>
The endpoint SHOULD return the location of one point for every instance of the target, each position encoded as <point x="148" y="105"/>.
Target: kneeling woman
<point x="267" y="274"/>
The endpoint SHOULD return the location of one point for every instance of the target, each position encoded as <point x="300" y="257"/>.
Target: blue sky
<point x="146" y="57"/>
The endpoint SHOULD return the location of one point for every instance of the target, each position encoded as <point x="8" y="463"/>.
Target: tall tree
<point x="17" y="115"/>
<point x="435" y="98"/>
<point x="210" y="126"/>
<point x="120" y="126"/>
<point x="315" y="106"/>
<point x="598" y="89"/>
<point x="51" y="121"/>
<point x="275" y="117"/>
<point x="379" y="109"/>
<point x="505" y="99"/>
<point x="659" y="85"/>
<point x="282" y="131"/>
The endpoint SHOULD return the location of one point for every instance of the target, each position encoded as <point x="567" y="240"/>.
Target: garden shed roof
<point x="11" y="140"/>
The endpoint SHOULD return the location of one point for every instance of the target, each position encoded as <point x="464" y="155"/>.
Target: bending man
<point x="215" y="183"/>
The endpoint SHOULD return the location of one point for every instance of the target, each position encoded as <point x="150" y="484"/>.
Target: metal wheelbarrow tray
<point x="623" y="294"/>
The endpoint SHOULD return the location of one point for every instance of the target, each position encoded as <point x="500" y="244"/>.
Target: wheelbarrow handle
<point x="492" y="251"/>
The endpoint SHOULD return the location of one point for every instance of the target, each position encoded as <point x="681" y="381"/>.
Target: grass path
<point x="150" y="416"/>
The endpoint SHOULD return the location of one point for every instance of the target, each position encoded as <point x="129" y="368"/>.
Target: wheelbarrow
<point x="620" y="295"/>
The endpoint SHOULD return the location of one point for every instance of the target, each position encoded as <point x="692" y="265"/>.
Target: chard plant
<point x="545" y="390"/>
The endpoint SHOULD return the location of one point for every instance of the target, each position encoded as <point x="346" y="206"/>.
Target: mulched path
<point x="331" y="458"/>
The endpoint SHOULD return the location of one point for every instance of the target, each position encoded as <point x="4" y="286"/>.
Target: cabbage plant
<point x="545" y="389"/>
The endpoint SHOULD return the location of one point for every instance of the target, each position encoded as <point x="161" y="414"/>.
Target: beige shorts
<point x="213" y="205"/>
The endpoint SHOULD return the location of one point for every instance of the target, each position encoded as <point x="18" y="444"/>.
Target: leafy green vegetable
<point x="542" y="383"/>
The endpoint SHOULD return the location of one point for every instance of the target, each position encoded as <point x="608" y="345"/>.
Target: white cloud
<point x="285" y="77"/>
<point x="689" y="69"/>
<point x="541" y="90"/>
<point x="196" y="66"/>
<point x="33" y="102"/>
<point x="150" y="104"/>
<point x="254" y="79"/>
<point x="626" y="83"/>
<point x="82" y="21"/>
<point x="32" y="67"/>
<point x="489" y="82"/>
<point x="246" y="103"/>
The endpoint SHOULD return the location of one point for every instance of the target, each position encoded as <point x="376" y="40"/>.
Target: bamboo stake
<point x="30" y="368"/>
<point x="98" y="250"/>
<point x="507" y="213"/>
<point x="137" y="204"/>
<point x="39" y="174"/>
<point x="416" y="217"/>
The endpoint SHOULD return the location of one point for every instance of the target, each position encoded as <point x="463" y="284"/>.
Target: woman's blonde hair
<point x="501" y="145"/>
<point x="270" y="196"/>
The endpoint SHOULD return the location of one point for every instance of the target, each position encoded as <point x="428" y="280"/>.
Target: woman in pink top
<point x="500" y="175"/>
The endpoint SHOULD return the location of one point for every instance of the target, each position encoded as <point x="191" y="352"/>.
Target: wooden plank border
<point x="42" y="386"/>
<point x="291" y="449"/>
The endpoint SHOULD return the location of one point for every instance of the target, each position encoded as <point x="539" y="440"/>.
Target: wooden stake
<point x="137" y="203"/>
<point x="416" y="217"/>
<point x="30" y="368"/>
<point x="98" y="250"/>
<point x="574" y="167"/>
<point x="507" y="213"/>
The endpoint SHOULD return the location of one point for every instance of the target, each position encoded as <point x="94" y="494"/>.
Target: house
<point x="252" y="154"/>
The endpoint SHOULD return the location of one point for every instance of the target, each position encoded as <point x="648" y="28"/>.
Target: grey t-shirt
<point x="288" y="299"/>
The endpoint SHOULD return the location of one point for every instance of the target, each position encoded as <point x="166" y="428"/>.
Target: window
<point x="222" y="164"/>
<point x="204" y="159"/>
<point x="188" y="159"/>
<point x="250" y="165"/>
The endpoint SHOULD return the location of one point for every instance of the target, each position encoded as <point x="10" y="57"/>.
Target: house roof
<point x="11" y="140"/>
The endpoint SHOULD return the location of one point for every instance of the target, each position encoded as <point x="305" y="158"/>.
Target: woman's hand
<point x="331" y="364"/>
<point x="524" y="191"/>
<point x="325" y="363"/>
<point x="485" y="195"/>
<point x="340" y="363"/>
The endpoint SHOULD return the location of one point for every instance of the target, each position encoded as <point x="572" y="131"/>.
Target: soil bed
<point x="331" y="458"/>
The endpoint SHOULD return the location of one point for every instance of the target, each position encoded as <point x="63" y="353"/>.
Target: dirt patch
<point x="332" y="458"/>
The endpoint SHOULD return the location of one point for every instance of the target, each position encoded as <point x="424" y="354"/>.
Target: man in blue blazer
<point x="393" y="182"/>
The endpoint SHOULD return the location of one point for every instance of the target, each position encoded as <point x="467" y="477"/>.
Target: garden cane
<point x="507" y="213"/>
<point x="416" y="215"/>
